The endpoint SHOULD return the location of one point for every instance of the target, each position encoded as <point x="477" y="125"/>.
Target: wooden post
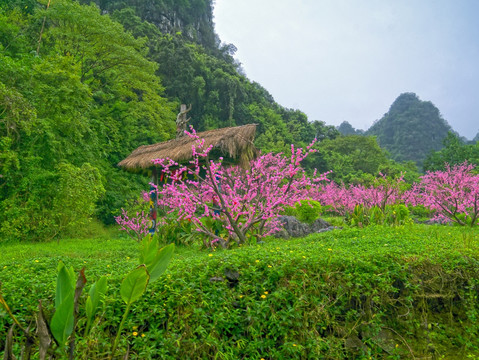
<point x="181" y="121"/>
<point x="153" y="201"/>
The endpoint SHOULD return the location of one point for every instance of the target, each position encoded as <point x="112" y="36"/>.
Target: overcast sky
<point x="349" y="60"/>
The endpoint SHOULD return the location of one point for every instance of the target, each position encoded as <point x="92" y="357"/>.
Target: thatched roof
<point x="233" y="142"/>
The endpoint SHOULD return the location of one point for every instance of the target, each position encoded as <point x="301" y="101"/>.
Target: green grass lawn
<point x="379" y="292"/>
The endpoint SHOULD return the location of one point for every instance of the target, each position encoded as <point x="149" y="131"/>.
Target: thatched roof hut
<point x="235" y="144"/>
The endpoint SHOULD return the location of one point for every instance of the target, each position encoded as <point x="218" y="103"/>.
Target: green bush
<point x="420" y="212"/>
<point x="397" y="214"/>
<point x="178" y="232"/>
<point x="359" y="217"/>
<point x="306" y="211"/>
<point x="377" y="292"/>
<point x="393" y="215"/>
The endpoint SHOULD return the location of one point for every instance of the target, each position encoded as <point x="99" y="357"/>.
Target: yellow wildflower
<point x="263" y="296"/>
<point x="135" y="333"/>
<point x="210" y="254"/>
<point x="142" y="335"/>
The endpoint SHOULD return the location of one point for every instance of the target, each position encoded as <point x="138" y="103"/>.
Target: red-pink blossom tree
<point x="135" y="226"/>
<point x="244" y="201"/>
<point x="453" y="193"/>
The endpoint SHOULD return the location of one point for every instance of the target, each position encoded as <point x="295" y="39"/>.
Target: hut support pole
<point x="153" y="201"/>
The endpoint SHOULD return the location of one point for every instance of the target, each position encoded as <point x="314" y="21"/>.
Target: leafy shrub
<point x="376" y="216"/>
<point x="420" y="212"/>
<point x="359" y="216"/>
<point x="308" y="210"/>
<point x="393" y="215"/>
<point x="63" y="324"/>
<point x="179" y="232"/>
<point x="52" y="204"/>
<point x="397" y="215"/>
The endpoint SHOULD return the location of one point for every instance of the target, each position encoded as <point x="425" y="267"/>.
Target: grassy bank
<point x="378" y="292"/>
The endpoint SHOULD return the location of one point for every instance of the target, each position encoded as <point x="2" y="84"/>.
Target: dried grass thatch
<point x="233" y="142"/>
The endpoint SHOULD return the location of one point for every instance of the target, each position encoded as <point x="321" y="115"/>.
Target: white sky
<point x="349" y="60"/>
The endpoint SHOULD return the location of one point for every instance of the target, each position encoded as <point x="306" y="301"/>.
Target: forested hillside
<point x="345" y="128"/>
<point x="82" y="86"/>
<point x="411" y="129"/>
<point x="204" y="74"/>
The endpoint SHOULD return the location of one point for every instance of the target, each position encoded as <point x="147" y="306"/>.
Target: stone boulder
<point x="292" y="227"/>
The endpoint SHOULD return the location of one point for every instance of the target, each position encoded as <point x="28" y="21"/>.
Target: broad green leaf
<point x="134" y="284"/>
<point x="61" y="325"/>
<point x="73" y="276"/>
<point x="149" y="248"/>
<point x="160" y="262"/>
<point x="96" y="294"/>
<point x="65" y="287"/>
<point x="89" y="308"/>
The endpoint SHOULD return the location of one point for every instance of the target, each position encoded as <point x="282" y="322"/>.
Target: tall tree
<point x="455" y="152"/>
<point x="351" y="157"/>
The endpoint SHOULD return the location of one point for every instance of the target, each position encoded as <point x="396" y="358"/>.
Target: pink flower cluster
<point x="135" y="226"/>
<point x="342" y="199"/>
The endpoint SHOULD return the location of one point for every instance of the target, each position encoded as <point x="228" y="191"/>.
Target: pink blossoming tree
<point x="243" y="201"/>
<point x="453" y="193"/>
<point x="135" y="226"/>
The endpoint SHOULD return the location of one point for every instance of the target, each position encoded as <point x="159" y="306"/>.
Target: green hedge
<point x="378" y="292"/>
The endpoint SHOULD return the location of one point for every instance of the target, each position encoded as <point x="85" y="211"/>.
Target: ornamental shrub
<point x="307" y="211"/>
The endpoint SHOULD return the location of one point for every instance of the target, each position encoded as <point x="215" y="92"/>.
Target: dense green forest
<point x="81" y="87"/>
